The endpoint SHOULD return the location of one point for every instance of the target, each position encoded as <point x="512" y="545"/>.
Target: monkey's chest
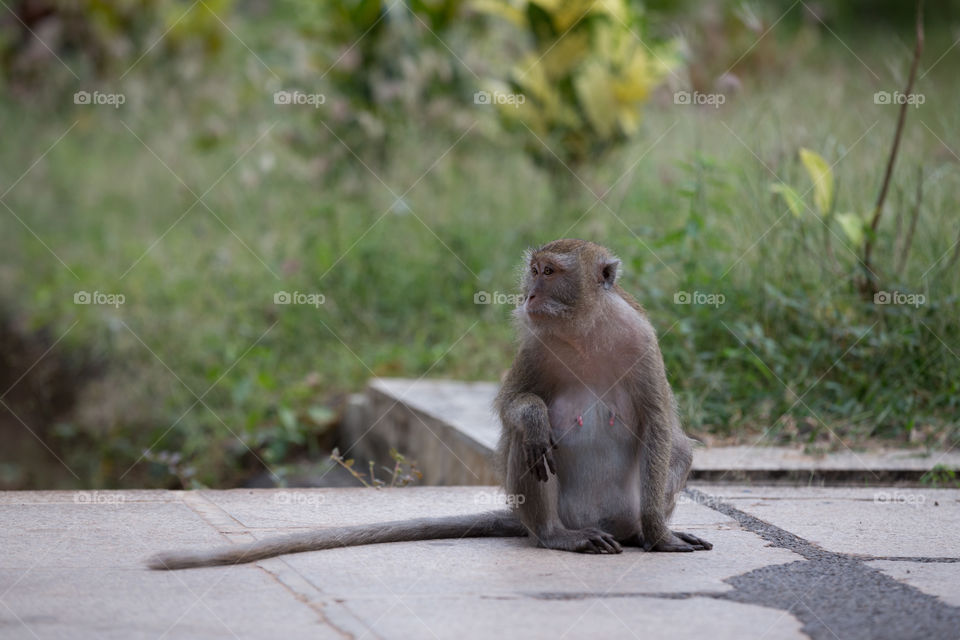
<point x="584" y="417"/>
<point x="597" y="460"/>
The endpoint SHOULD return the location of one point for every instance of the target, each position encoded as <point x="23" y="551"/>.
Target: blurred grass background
<point x="400" y="198"/>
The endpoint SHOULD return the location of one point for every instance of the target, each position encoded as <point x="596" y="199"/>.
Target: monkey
<point x="591" y="451"/>
<point x="591" y="438"/>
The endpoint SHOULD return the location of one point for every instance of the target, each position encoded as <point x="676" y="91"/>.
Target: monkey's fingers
<point x="541" y="473"/>
<point x="530" y="456"/>
<point x="539" y="460"/>
<point x="550" y="463"/>
<point x="535" y="465"/>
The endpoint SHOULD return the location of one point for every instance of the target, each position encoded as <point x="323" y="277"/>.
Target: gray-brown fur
<point x="493" y="524"/>
<point x="586" y="350"/>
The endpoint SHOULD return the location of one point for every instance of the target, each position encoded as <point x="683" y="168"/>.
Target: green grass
<point x="793" y="353"/>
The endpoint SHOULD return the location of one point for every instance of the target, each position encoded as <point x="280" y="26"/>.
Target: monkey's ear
<point x="609" y="269"/>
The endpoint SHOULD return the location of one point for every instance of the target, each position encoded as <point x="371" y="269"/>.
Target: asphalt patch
<point x="834" y="595"/>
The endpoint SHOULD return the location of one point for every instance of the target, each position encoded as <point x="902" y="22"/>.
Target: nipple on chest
<point x="611" y="421"/>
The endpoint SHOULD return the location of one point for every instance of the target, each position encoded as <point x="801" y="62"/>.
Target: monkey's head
<point x="566" y="281"/>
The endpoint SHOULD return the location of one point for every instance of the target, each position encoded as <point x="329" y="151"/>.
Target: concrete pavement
<point x="787" y="563"/>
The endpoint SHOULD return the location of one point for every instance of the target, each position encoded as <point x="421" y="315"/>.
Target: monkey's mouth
<point x="540" y="309"/>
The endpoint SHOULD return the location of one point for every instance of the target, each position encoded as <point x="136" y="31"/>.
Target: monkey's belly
<point x="597" y="470"/>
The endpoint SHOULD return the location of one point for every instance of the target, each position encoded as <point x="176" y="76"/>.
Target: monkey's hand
<point x="538" y="452"/>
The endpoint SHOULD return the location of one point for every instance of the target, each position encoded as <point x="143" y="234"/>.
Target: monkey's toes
<point x="699" y="543"/>
<point x="679" y="542"/>
<point x="598" y="541"/>
<point x="582" y="541"/>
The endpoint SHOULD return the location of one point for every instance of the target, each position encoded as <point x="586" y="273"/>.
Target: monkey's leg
<point x="681" y="458"/>
<point x="665" y="461"/>
<point x="538" y="509"/>
<point x="671" y="474"/>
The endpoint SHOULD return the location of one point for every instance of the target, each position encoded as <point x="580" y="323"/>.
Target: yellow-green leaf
<point x="822" y="177"/>
<point x="501" y="9"/>
<point x="791" y="197"/>
<point x="852" y="225"/>
<point x="565" y="55"/>
<point x="594" y="88"/>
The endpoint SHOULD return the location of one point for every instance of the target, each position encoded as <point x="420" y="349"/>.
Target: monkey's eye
<point x="547" y="271"/>
<point x="533" y="270"/>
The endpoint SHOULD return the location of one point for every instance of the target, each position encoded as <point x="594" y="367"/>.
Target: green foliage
<point x="382" y="59"/>
<point x="403" y="473"/>
<point x="582" y="77"/>
<point x="821" y="176"/>
<point x="941" y="476"/>
<point x="103" y="39"/>
<point x="791" y="354"/>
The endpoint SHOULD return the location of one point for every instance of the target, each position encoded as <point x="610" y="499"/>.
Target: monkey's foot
<point x="582" y="541"/>
<point x="677" y="541"/>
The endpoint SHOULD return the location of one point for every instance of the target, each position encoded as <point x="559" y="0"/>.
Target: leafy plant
<point x="940" y="476"/>
<point x="403" y="473"/>
<point x="582" y="77"/>
<point x="860" y="229"/>
<point x="104" y="36"/>
<point x="824" y="198"/>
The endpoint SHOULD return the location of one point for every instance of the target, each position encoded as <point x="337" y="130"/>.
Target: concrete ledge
<point x="447" y="426"/>
<point x="450" y="429"/>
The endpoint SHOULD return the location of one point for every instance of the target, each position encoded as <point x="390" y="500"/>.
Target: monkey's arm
<point x="526" y="414"/>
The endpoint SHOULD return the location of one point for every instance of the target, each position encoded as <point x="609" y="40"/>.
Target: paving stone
<point x="445" y="616"/>
<point x="73" y="568"/>
<point x="941" y="579"/>
<point x="868" y="522"/>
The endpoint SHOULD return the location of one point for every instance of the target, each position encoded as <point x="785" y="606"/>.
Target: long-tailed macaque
<point x="591" y="450"/>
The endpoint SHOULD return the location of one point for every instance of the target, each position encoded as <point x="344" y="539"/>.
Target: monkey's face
<point x="563" y="282"/>
<point x="551" y="287"/>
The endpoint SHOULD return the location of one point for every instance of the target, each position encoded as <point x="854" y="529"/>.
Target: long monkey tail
<point x="502" y="524"/>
